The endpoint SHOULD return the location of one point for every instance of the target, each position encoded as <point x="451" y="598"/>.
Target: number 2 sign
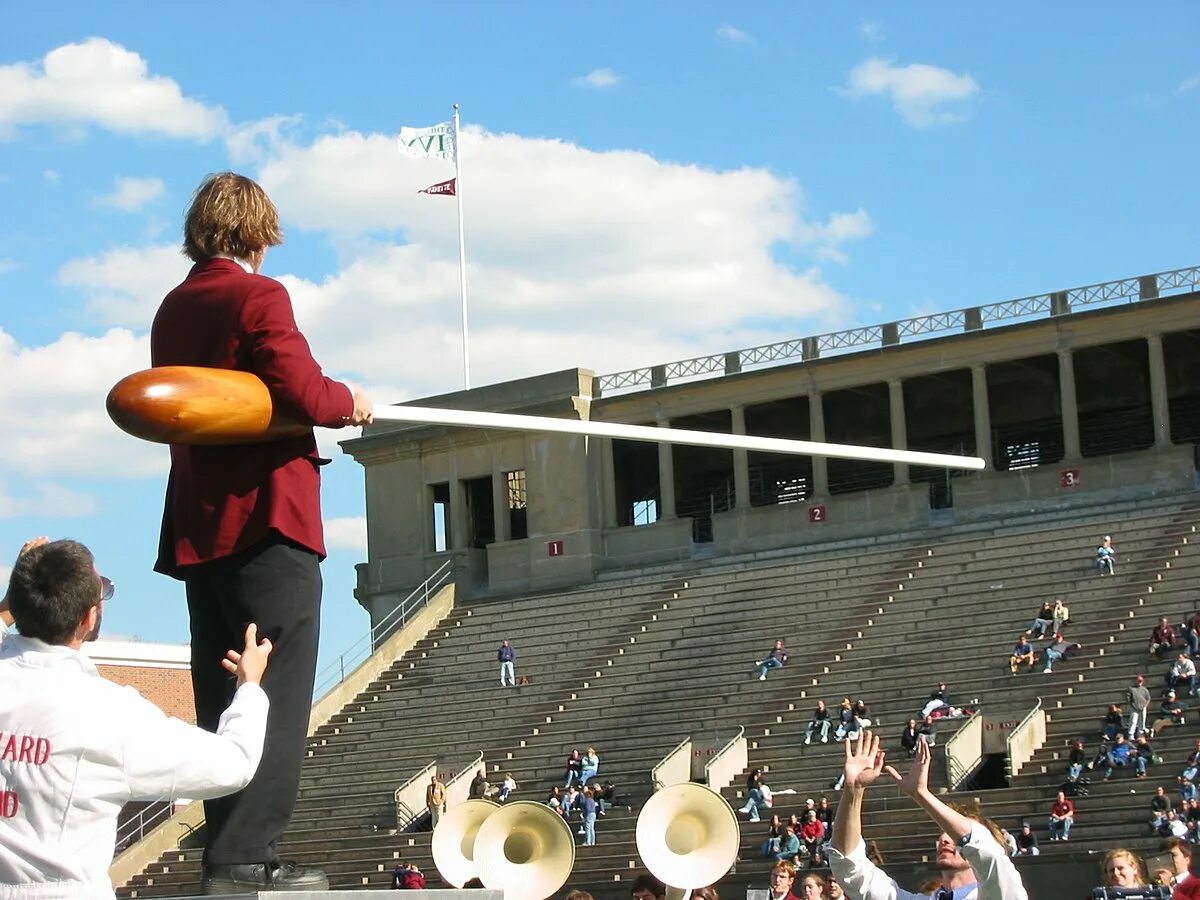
<point x="817" y="514"/>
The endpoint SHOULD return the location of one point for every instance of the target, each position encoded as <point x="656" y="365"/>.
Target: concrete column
<point x="608" y="477"/>
<point x="458" y="514"/>
<point x="500" y="506"/>
<point x="741" y="461"/>
<point x="816" y="428"/>
<point x="666" y="476"/>
<point x="983" y="416"/>
<point x="1070" y="406"/>
<point x="1158" y="392"/>
<point x="899" y="426"/>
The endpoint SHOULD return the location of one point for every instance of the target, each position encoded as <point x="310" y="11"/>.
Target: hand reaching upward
<point x="864" y="761"/>
<point x="916" y="780"/>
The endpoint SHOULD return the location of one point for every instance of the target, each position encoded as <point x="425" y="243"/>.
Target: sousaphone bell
<point x="688" y="837"/>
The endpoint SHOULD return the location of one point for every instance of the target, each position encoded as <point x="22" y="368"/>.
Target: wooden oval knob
<point x="196" y="405"/>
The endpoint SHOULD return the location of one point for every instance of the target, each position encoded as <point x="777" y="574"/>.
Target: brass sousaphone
<point x="688" y="837"/>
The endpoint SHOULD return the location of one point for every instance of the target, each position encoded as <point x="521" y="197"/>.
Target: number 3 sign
<point x="1069" y="478"/>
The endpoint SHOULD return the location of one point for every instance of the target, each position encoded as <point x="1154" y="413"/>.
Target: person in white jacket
<point x="973" y="862"/>
<point x="74" y="748"/>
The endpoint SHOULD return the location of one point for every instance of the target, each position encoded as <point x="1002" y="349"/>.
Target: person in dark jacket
<point x="775" y="659"/>
<point x="506" y="656"/>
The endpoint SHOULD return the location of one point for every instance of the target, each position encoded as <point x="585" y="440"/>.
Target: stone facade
<point x="576" y="491"/>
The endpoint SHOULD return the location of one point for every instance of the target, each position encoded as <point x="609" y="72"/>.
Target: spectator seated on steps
<point x="1060" y="649"/>
<point x="1113" y="724"/>
<point x="1164" y="638"/>
<point x="1182" y="674"/>
<point x="818" y="724"/>
<point x="1119" y="756"/>
<point x="1160" y="805"/>
<point x="1043" y="622"/>
<point x="1106" y="557"/>
<point x="1023" y="653"/>
<point x="845" y="728"/>
<point x="775" y="659"/>
<point x="1171" y="712"/>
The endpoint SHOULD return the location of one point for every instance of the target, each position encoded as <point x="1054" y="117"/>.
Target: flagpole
<point x="462" y="253"/>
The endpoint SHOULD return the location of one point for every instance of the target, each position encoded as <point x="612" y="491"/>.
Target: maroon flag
<point x="442" y="187"/>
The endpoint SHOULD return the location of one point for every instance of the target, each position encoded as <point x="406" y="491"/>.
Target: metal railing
<point x="964" y="752"/>
<point x="335" y="673"/>
<point x="675" y="767"/>
<point x="1026" y="739"/>
<point x="974" y="318"/>
<point x="727" y="762"/>
<point x="134" y="829"/>
<point x="409" y="798"/>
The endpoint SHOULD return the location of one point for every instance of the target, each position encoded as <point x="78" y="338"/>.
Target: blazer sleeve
<point x="281" y="357"/>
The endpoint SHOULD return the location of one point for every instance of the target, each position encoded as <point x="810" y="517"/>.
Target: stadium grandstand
<point x="642" y="583"/>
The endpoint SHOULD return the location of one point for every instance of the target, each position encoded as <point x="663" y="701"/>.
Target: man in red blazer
<point x="242" y="524"/>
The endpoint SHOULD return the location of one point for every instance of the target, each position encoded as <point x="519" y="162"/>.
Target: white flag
<point x="436" y="142"/>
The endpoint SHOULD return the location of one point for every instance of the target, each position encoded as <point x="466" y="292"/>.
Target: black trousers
<point x="276" y="585"/>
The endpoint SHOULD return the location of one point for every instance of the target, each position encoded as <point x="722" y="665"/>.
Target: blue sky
<point x="719" y="175"/>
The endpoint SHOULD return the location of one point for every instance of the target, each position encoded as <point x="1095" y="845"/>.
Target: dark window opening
<point x="939" y="412"/>
<point x="860" y="416"/>
<point x="703" y="475"/>
<point x="1181" y="359"/>
<point x="1112" y="389"/>
<point x="481" y="513"/>
<point x="635" y="479"/>
<point x="777" y="478"/>
<point x="1026" y="412"/>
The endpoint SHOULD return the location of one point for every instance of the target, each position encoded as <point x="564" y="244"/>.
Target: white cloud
<point x="735" y="35"/>
<point x="919" y="92"/>
<point x="613" y="237"/>
<point x="124" y="286"/>
<point x="44" y="499"/>
<point x="1188" y="84"/>
<point x="7" y="264"/>
<point x="871" y="29"/>
<point x="597" y="78"/>
<point x="51" y="176"/>
<point x="131" y="194"/>
<point x="52" y="397"/>
<point x="102" y="84"/>
<point x="347" y="533"/>
<point x="829" y="236"/>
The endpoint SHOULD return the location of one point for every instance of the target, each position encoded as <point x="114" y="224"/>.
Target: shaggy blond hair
<point x="230" y="215"/>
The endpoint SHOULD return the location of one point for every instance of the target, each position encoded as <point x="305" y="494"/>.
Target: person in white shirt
<point x="1182" y="674"/>
<point x="74" y="747"/>
<point x="973" y="861"/>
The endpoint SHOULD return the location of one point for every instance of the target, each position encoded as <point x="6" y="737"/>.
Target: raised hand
<point x="916" y="780"/>
<point x="250" y="664"/>
<point x="864" y="760"/>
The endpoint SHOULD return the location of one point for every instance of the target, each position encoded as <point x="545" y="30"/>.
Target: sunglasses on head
<point x="106" y="588"/>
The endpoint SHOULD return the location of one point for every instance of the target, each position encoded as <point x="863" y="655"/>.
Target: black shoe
<point x="245" y="878"/>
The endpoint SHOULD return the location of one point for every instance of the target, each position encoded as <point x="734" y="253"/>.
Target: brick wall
<point x="169" y="689"/>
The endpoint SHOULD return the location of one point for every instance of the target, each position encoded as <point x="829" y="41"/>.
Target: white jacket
<point x="75" y="747"/>
<point x="998" y="877"/>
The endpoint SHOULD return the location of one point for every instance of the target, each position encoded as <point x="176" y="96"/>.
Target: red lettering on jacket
<point x="9" y="804"/>
<point x="25" y="748"/>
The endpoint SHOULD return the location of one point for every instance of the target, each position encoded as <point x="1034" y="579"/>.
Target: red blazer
<point x="222" y="500"/>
